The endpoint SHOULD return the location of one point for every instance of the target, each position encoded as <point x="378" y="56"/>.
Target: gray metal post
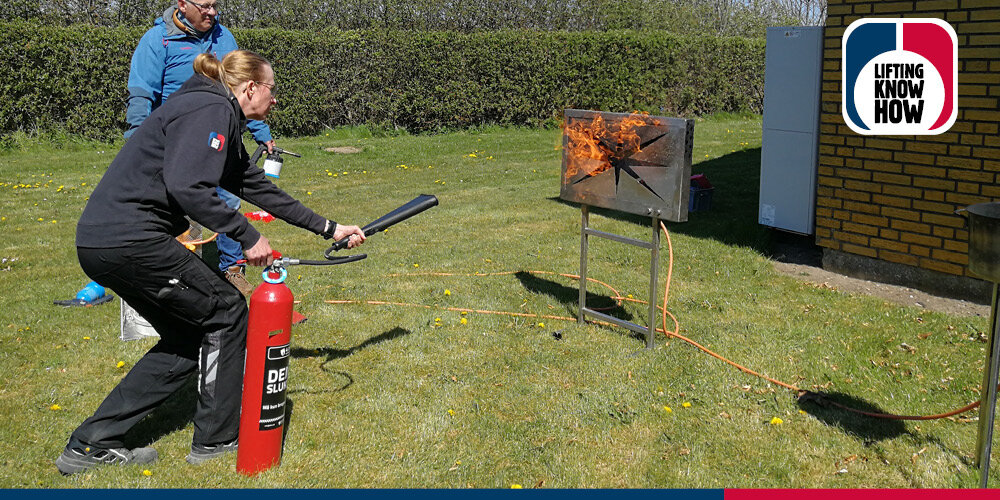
<point x="585" y="214"/>
<point x="988" y="394"/>
<point x="654" y="272"/>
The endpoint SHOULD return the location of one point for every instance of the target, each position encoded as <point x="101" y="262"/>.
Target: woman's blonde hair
<point x="237" y="67"/>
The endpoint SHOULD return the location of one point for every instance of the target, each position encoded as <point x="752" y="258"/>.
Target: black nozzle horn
<point x="411" y="208"/>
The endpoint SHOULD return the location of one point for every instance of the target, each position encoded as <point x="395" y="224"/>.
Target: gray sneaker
<point x="201" y="453"/>
<point x="78" y="457"/>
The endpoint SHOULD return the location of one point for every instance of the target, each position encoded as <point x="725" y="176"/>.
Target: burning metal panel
<point x="634" y="163"/>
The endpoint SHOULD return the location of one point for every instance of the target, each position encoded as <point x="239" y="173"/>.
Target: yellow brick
<point x="940" y="184"/>
<point x="944" y="267"/>
<point x="850" y="173"/>
<point x="858" y="207"/>
<point x="968" y="175"/>
<point x="972" y="139"/>
<point x="851" y="227"/>
<point x="946" y="233"/>
<point x="873" y="154"/>
<point x="870" y="220"/>
<point x="901" y="7"/>
<point x="889" y="234"/>
<point x="889" y="245"/>
<point x="879" y="143"/>
<point x="827" y="243"/>
<point x="859" y="250"/>
<point x="901" y="258"/>
<point x="918" y="158"/>
<point x="963" y="199"/>
<point x="870" y="187"/>
<point x="967" y="188"/>
<point x="937" y="5"/>
<point x="926" y="207"/>
<point x="920" y="251"/>
<point x="891" y="178"/>
<point x="920" y="239"/>
<point x="859" y="196"/>
<point x="883" y="166"/>
<point x="902" y="191"/>
<point x="926" y="147"/>
<point x="959" y="151"/>
<point x="989" y="153"/>
<point x="985" y="15"/>
<point x="912" y="227"/>
<point x="893" y="201"/>
<point x="900" y="214"/>
<point x="971" y="90"/>
<point x="956" y="246"/>
<point x="923" y="171"/>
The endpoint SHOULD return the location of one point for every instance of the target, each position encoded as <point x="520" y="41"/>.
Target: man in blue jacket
<point x="161" y="64"/>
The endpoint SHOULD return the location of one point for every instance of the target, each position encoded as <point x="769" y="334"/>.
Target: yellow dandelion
<point x="777" y="421"/>
<point x="416" y="265"/>
<point x="54" y="221"/>
<point x="686" y="404"/>
<point x="55" y="407"/>
<point x="451" y="412"/>
<point x="516" y="486"/>
<point x="40" y="219"/>
<point x="309" y="192"/>
<point x="668" y="409"/>
<point x="329" y="173"/>
<point x="86" y="338"/>
<point x="120" y="364"/>
<point x="802" y="412"/>
<point x="147" y="472"/>
<point x="541" y="325"/>
<point x="447" y="292"/>
<point x="464" y="313"/>
<point x="437" y="320"/>
<point x="464" y="321"/>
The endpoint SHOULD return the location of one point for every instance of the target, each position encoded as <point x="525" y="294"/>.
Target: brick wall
<point x="893" y="198"/>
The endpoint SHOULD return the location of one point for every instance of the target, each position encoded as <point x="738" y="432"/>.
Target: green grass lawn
<point x="393" y="396"/>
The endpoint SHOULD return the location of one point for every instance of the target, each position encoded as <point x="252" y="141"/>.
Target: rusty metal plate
<point x="633" y="163"/>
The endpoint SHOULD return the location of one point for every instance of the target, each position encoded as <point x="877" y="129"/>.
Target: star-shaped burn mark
<point x="623" y="162"/>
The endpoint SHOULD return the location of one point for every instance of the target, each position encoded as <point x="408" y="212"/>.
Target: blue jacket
<point x="163" y="62"/>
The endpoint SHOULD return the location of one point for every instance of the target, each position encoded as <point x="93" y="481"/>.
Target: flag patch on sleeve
<point x="216" y="141"/>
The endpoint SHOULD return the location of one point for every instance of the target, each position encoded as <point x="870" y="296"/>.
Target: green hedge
<point x="74" y="78"/>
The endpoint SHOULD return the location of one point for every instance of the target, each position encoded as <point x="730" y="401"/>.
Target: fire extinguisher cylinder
<point x="265" y="378"/>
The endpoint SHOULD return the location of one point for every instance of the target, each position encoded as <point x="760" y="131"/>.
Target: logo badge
<point x="900" y="76"/>
<point x="216" y="141"/>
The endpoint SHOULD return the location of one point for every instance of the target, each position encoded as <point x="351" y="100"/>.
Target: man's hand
<point x="260" y="253"/>
<point x="270" y="146"/>
<point x="356" y="234"/>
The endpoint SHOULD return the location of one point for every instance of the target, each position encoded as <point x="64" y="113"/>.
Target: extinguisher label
<point x="272" y="402"/>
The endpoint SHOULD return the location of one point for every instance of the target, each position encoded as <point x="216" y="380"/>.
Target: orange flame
<point x="587" y="144"/>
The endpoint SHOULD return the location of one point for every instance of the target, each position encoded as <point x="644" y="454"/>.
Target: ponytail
<point x="237" y="67"/>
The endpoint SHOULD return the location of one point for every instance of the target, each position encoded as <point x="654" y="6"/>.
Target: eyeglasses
<point x="205" y="7"/>
<point x="273" y="87"/>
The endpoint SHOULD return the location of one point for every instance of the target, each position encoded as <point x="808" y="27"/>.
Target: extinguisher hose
<point x="336" y="260"/>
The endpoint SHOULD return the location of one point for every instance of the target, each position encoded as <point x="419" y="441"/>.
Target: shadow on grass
<point x="570" y="297"/>
<point x="173" y="415"/>
<point x="732" y="219"/>
<point x="867" y="428"/>
<point x="332" y="354"/>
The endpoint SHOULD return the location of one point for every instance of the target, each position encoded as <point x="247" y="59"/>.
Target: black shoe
<point x="201" y="453"/>
<point x="78" y="457"/>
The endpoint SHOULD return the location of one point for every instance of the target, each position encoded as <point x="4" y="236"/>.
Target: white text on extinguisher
<point x="276" y="381"/>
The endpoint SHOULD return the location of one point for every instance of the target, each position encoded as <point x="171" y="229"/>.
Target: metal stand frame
<point x="654" y="246"/>
<point x="988" y="393"/>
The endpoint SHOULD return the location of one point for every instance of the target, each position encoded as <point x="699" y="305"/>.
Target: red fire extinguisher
<point x="265" y="377"/>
